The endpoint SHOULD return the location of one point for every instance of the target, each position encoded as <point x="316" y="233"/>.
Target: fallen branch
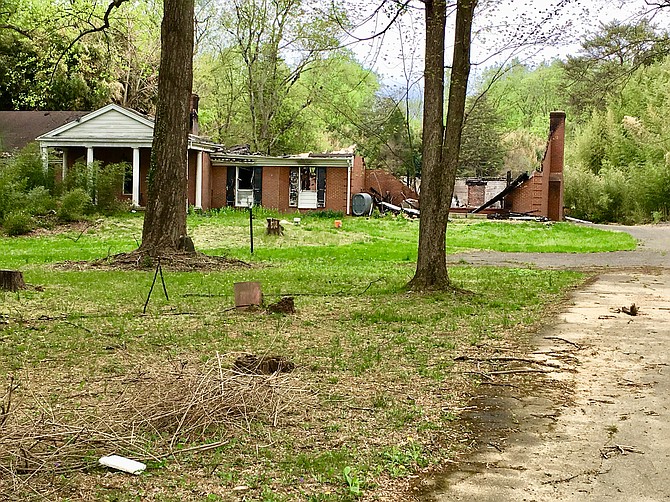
<point x="505" y="359"/>
<point x="620" y="449"/>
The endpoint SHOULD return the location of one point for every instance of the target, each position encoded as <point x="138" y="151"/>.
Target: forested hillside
<point x="275" y="76"/>
<point x="615" y="93"/>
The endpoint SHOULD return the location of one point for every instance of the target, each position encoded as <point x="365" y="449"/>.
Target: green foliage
<point x="352" y="481"/>
<point x="626" y="147"/>
<point x="73" y="205"/>
<point x="482" y="151"/>
<point x="607" y="59"/>
<point x="17" y="223"/>
<point x="523" y="96"/>
<point x="40" y="202"/>
<point x="109" y="180"/>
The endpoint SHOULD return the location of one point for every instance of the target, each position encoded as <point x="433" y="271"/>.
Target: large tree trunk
<point x="441" y="146"/>
<point x="165" y="219"/>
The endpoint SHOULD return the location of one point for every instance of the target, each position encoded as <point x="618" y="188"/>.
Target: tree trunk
<point x="165" y="219"/>
<point x="11" y="280"/>
<point x="441" y="146"/>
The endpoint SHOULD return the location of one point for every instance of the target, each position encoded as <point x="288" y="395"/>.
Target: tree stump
<point x="274" y="228"/>
<point x="11" y="280"/>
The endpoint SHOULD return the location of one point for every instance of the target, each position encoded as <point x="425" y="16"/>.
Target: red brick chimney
<point x="556" y="161"/>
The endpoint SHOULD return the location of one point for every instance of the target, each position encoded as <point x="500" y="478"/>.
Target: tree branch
<point x="114" y="4"/>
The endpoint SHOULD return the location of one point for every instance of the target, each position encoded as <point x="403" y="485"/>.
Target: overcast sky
<point x="399" y="52"/>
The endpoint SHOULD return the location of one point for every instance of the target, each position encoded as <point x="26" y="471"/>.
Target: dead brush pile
<point x="148" y="414"/>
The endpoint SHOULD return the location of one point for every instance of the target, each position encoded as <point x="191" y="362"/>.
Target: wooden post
<point x="11" y="280"/>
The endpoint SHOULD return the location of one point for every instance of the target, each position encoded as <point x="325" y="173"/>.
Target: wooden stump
<point x="274" y="228"/>
<point x="11" y="280"/>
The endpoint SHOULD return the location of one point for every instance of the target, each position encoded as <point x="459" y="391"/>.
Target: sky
<point x="398" y="55"/>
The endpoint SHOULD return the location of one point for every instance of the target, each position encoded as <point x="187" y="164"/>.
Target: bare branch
<point x="115" y="4"/>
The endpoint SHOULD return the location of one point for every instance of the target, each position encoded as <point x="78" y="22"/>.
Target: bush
<point x="28" y="166"/>
<point x="73" y="205"/>
<point x="18" y="223"/>
<point x="39" y="201"/>
<point x="109" y="183"/>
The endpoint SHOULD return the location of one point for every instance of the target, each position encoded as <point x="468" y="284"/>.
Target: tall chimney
<point x="194" y="127"/>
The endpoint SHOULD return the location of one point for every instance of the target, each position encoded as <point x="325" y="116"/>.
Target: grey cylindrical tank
<point x="361" y="203"/>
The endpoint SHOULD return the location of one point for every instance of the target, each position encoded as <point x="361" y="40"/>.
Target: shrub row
<point x="30" y="198"/>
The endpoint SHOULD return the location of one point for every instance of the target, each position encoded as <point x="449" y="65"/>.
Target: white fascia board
<point x="97" y="143"/>
<point x="91" y="116"/>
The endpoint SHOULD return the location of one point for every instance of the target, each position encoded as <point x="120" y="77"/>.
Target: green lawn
<point x="375" y="396"/>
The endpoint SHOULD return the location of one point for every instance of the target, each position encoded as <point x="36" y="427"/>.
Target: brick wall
<point x="206" y="182"/>
<point x="192" y="166"/>
<point x="388" y="185"/>
<point x="218" y="187"/>
<point x="358" y="176"/>
<point x="542" y="194"/>
<point x="336" y="188"/>
<point x="272" y="188"/>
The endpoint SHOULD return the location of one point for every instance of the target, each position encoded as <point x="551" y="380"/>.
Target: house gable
<point x="110" y="124"/>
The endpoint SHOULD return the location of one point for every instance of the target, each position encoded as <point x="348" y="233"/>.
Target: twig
<point x="371" y="283"/>
<point x="159" y="269"/>
<point x="574" y="344"/>
<point x="80" y="234"/>
<point x="78" y="326"/>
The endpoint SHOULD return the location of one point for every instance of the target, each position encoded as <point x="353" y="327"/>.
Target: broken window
<point x="293" y="177"/>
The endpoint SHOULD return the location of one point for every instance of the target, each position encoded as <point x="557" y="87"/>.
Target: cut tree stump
<point x="11" y="280"/>
<point x="274" y="227"/>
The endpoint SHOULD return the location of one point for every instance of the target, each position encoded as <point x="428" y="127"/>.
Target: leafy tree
<point x="524" y="95"/>
<point x="482" y="152"/>
<point x="264" y="33"/>
<point x="609" y="58"/>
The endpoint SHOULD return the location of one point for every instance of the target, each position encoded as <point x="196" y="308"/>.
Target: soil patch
<point x="176" y="262"/>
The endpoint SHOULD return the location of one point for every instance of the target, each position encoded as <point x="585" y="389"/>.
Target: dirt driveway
<point x="598" y="426"/>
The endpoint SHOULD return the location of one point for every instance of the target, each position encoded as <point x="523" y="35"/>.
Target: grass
<point x="378" y="362"/>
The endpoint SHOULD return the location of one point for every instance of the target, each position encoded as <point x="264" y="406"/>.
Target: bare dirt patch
<point x="176" y="262"/>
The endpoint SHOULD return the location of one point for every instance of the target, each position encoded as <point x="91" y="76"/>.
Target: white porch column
<point x="198" y="181"/>
<point x="64" y="172"/>
<point x="136" y="177"/>
<point x="89" y="173"/>
<point x="44" y="152"/>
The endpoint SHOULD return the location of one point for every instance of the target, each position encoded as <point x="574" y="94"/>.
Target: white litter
<point x="122" y="464"/>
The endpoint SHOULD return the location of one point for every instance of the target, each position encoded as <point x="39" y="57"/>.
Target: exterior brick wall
<point x="218" y="186"/>
<point x="206" y="182"/>
<point x="542" y="194"/>
<point x="192" y="166"/>
<point x="272" y="187"/>
<point x="336" y="188"/>
<point x="358" y="176"/>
